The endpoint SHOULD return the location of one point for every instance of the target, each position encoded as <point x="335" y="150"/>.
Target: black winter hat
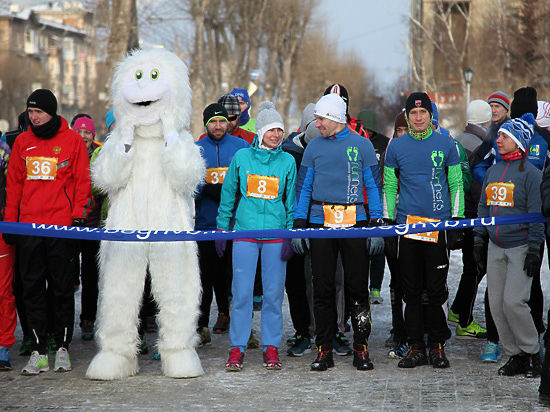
<point x="44" y="100"/>
<point x="418" y="99"/>
<point x="525" y="101"/>
<point x="214" y="110"/>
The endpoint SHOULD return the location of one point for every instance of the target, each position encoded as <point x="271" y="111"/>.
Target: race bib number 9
<point x="215" y="175"/>
<point x="41" y="168"/>
<point x="500" y="194"/>
<point x="339" y="215"/>
<point x="262" y="187"/>
<point x="425" y="236"/>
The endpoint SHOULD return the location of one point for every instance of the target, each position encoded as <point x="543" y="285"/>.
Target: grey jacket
<point x="526" y="199"/>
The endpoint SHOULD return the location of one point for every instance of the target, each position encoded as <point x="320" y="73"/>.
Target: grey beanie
<point x="307" y="125"/>
<point x="268" y="118"/>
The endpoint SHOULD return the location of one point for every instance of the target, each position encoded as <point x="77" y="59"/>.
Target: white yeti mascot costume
<point x="150" y="168"/>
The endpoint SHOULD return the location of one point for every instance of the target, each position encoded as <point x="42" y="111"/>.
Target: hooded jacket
<point x="62" y="196"/>
<point x="252" y="212"/>
<point x="526" y="199"/>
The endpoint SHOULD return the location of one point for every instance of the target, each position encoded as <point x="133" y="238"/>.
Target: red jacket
<point x="48" y="180"/>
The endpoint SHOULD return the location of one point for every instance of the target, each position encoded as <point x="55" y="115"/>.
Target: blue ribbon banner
<point x="129" y="235"/>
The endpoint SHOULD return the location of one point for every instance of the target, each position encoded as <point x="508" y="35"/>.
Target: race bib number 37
<point x="215" y="175"/>
<point x="41" y="168"/>
<point x="339" y="215"/>
<point x="262" y="187"/>
<point x="500" y="194"/>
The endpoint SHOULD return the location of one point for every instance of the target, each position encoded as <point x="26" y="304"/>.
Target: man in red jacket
<point x="48" y="181"/>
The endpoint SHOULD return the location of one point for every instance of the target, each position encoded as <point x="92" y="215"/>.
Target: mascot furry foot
<point x="107" y="366"/>
<point x="181" y="364"/>
<point x="150" y="168"/>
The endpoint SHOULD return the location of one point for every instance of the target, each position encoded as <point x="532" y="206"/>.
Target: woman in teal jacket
<point x="259" y="186"/>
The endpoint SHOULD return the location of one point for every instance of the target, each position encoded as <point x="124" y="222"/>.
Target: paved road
<point x="467" y="385"/>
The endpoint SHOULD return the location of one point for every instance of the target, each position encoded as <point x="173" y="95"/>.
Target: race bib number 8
<point x="339" y="215"/>
<point x="262" y="187"/>
<point x="500" y="194"/>
<point x="41" y="168"/>
<point x="215" y="175"/>
<point x="425" y="236"/>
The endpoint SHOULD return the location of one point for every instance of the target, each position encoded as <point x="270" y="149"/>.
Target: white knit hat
<point x="478" y="112"/>
<point x="268" y="118"/>
<point x="543" y="114"/>
<point x="332" y="107"/>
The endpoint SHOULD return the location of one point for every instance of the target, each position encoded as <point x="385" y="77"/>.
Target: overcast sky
<point x="376" y="29"/>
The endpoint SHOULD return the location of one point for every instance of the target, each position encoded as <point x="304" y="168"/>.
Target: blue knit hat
<point x="520" y="130"/>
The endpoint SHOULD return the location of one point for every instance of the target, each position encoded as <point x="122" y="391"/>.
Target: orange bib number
<point x="41" y="168"/>
<point x="262" y="187"/>
<point x="500" y="194"/>
<point x="426" y="236"/>
<point x="339" y="215"/>
<point x="215" y="175"/>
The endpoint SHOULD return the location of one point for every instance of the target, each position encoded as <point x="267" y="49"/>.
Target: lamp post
<point x="468" y="74"/>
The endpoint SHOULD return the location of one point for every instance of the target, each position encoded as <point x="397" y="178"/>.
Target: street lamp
<point x="468" y="74"/>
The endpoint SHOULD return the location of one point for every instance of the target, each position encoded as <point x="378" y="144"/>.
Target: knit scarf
<point x="245" y="117"/>
<point x="47" y="130"/>
<point x="422" y="134"/>
<point x="513" y="156"/>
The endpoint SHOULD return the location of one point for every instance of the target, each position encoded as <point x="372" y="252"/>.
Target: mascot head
<point x="152" y="85"/>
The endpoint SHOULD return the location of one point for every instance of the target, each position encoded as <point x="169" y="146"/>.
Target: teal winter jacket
<point x="250" y="190"/>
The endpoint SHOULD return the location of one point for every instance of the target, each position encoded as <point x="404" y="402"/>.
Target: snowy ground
<point x="467" y="385"/>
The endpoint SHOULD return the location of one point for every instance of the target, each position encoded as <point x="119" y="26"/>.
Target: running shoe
<point x="492" y="353"/>
<point x="235" y="361"/>
<point x="452" y="317"/>
<point x="62" y="361"/>
<point x="375" y="297"/>
<point x="473" y="330"/>
<point x="5" y="364"/>
<point x="301" y="346"/>
<point x="271" y="358"/>
<point x="37" y="363"/>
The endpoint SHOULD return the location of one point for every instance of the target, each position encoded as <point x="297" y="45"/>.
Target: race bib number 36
<point x="262" y="187"/>
<point x="500" y="194"/>
<point x="339" y="215"/>
<point x="425" y="236"/>
<point x="41" y="168"/>
<point x="215" y="175"/>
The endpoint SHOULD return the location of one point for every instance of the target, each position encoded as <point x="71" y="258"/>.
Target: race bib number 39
<point x="500" y="194"/>
<point x="215" y="175"/>
<point x="262" y="187"/>
<point x="425" y="236"/>
<point x="339" y="215"/>
<point x="41" y="168"/>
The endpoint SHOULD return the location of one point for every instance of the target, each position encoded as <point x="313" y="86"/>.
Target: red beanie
<point x="86" y="124"/>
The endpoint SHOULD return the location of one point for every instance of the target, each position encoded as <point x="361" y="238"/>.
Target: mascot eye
<point x="154" y="74"/>
<point x="139" y="74"/>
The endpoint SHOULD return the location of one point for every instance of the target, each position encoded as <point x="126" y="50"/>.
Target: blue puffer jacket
<point x="253" y="212"/>
<point x="216" y="153"/>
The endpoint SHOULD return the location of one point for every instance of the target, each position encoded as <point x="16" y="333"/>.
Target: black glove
<point x="532" y="262"/>
<point x="79" y="221"/>
<point x="299" y="224"/>
<point x="9" y="239"/>
<point x="212" y="191"/>
<point x="455" y="238"/>
<point x="480" y="255"/>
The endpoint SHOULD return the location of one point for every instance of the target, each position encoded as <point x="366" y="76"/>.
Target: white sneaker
<point x="37" y="363"/>
<point x="62" y="361"/>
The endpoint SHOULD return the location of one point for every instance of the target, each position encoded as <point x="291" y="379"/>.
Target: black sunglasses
<point x="232" y="118"/>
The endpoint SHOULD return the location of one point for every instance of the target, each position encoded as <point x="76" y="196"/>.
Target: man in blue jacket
<point x="217" y="148"/>
<point x="335" y="168"/>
